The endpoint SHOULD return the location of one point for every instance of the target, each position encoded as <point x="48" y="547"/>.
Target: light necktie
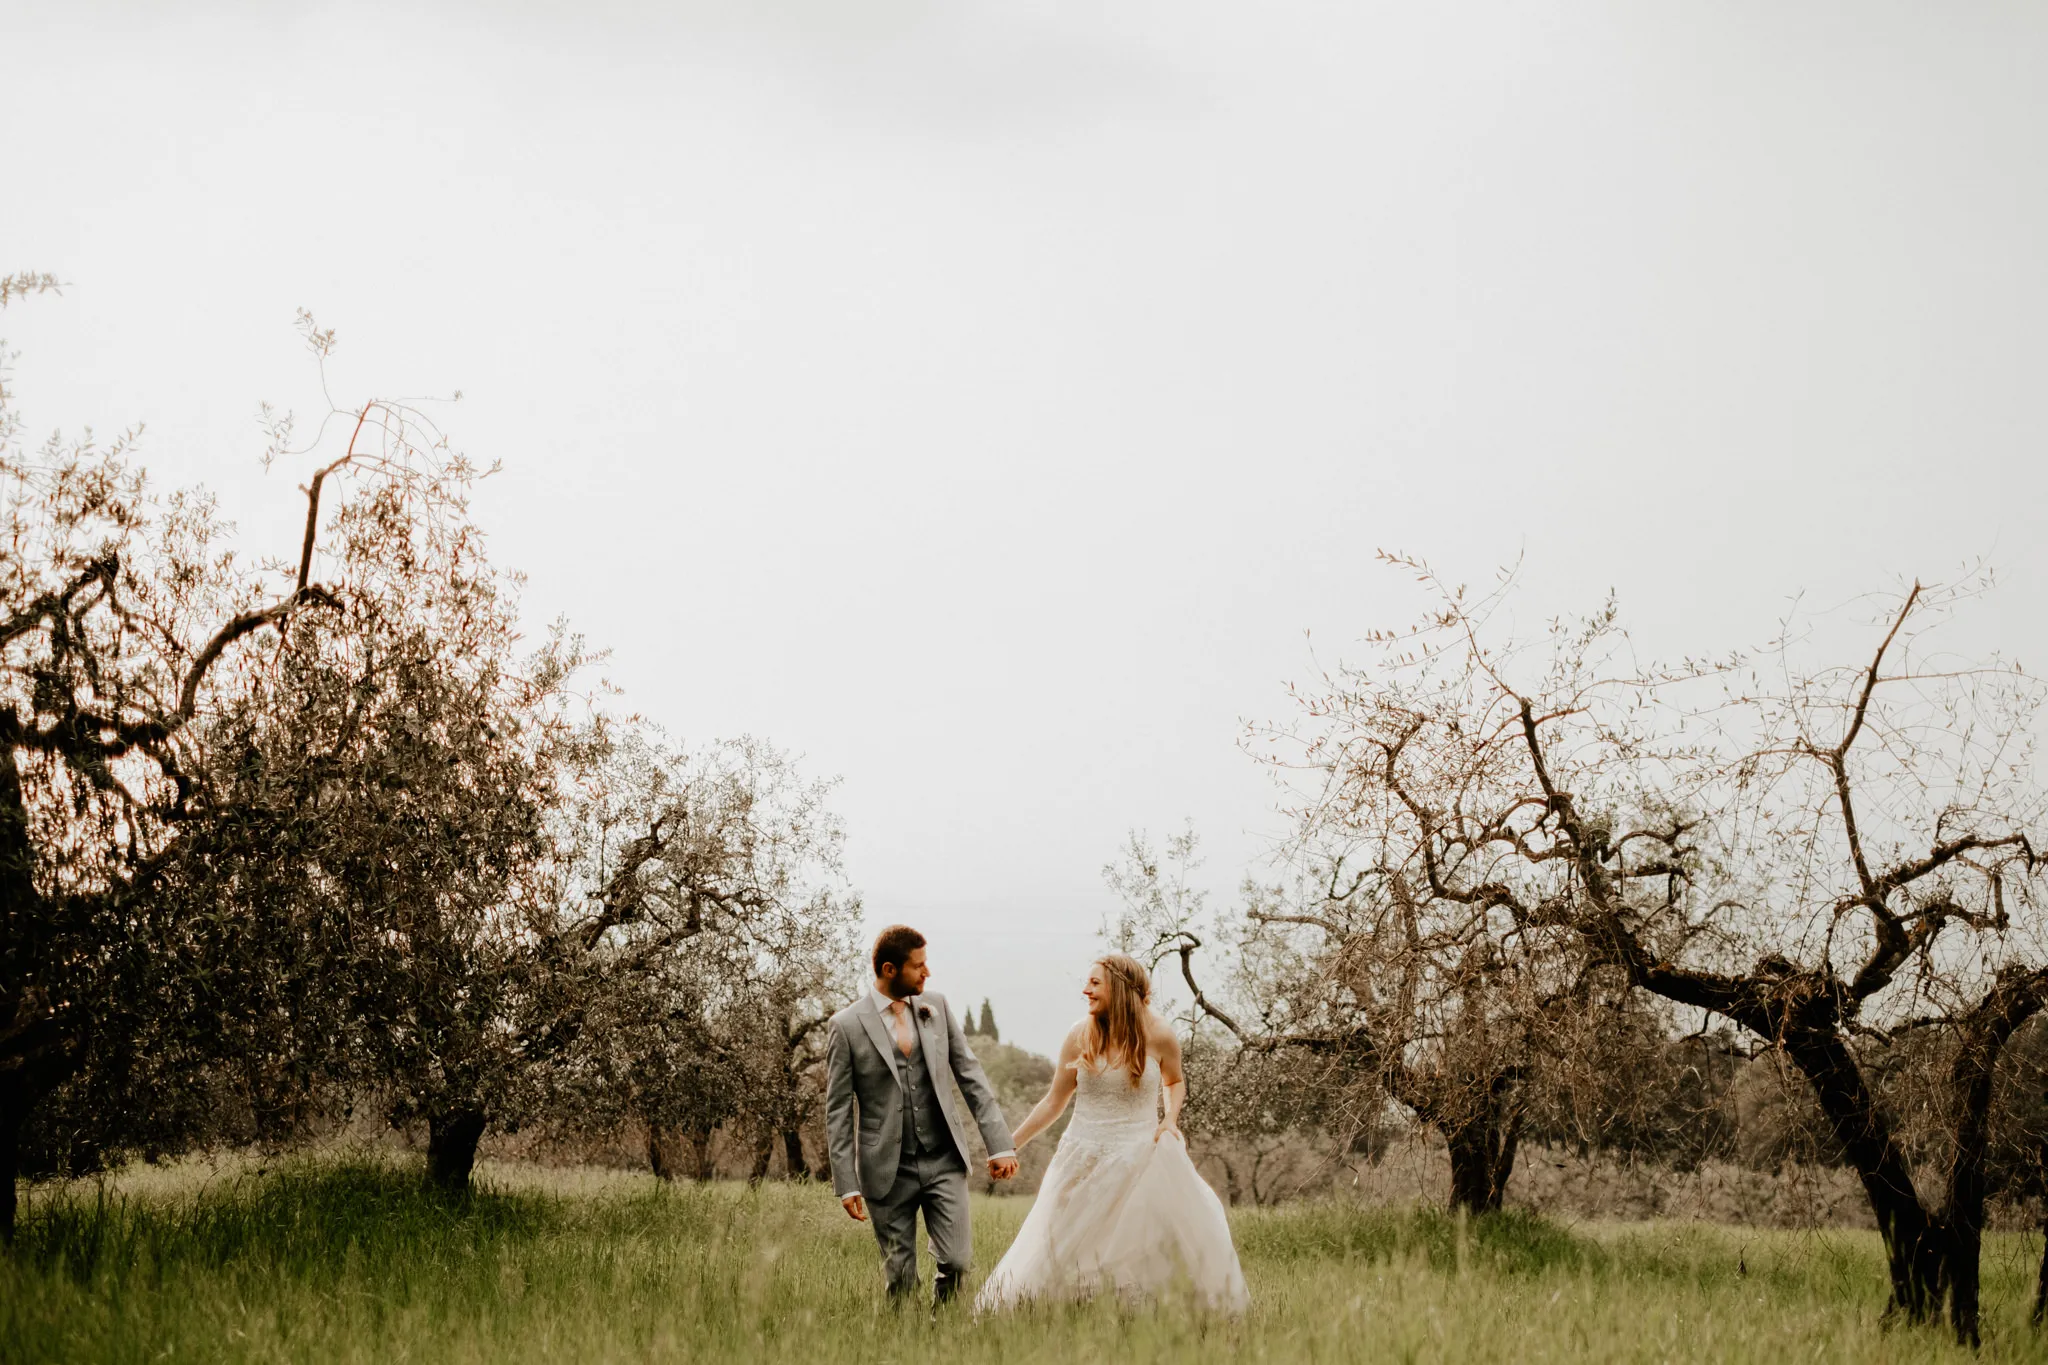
<point x="904" y="1042"/>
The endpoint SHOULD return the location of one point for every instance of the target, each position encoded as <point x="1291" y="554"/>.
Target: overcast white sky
<point x="982" y="399"/>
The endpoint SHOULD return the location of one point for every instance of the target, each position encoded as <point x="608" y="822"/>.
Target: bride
<point x="1121" y="1203"/>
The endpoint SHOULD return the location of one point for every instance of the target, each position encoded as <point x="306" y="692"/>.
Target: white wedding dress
<point x="1118" y="1209"/>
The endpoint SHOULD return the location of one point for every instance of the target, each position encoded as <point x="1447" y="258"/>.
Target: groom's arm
<point x="979" y="1094"/>
<point x="839" y="1114"/>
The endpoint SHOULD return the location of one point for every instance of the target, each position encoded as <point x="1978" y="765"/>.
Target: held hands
<point x="856" y="1208"/>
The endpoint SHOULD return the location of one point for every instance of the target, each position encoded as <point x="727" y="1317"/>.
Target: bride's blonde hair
<point x="1117" y="1035"/>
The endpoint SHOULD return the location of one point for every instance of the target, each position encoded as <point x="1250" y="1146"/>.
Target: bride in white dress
<point x="1121" y="1205"/>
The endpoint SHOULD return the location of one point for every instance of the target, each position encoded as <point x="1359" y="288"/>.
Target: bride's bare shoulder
<point x="1160" y="1039"/>
<point x="1074" y="1043"/>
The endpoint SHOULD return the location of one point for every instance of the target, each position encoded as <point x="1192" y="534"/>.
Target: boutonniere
<point x="924" y="1012"/>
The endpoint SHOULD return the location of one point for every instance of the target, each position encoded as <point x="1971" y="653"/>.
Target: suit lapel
<point x="928" y="1029"/>
<point x="878" y="1034"/>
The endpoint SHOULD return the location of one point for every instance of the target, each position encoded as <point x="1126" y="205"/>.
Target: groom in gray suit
<point x="896" y="1141"/>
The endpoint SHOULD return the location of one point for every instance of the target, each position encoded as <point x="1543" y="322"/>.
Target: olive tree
<point x="703" y="889"/>
<point x="1353" y="983"/>
<point x="133" y="638"/>
<point x="1824" y="855"/>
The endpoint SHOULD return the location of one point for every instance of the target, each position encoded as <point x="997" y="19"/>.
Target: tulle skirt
<point x="1121" y="1212"/>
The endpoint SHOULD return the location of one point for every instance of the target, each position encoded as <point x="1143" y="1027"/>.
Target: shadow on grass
<point x="307" y="1219"/>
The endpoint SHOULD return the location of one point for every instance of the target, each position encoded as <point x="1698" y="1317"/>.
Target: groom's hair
<point x="895" y="944"/>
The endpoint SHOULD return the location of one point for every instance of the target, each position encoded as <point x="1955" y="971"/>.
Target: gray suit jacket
<point x="865" y="1092"/>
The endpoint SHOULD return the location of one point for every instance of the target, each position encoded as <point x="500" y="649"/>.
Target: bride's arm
<point x="1173" y="1080"/>
<point x="1047" y="1110"/>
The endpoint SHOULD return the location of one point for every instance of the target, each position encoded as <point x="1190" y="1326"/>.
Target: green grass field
<point x="353" y="1262"/>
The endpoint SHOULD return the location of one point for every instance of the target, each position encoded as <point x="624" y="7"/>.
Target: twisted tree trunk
<point x="1932" y="1258"/>
<point x="2041" y="1277"/>
<point x="1917" y="1244"/>
<point x="1479" y="1112"/>
<point x="451" y="1148"/>
<point x="793" y="1154"/>
<point x="12" y="1113"/>
<point x="18" y="906"/>
<point x="1231" y="1185"/>
<point x="2041" y="1280"/>
<point x="1985" y="1030"/>
<point x="39" y="1051"/>
<point x="661" y="1152"/>
<point x="1482" y="1153"/>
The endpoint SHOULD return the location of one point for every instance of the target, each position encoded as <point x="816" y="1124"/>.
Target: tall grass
<point x="358" y="1262"/>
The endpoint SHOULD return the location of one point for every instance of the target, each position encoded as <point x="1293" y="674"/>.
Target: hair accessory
<point x="1123" y="974"/>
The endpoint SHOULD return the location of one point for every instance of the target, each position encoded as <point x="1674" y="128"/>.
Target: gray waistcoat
<point x="924" y="1123"/>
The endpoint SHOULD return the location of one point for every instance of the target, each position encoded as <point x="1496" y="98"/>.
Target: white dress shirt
<point x="887" y="1006"/>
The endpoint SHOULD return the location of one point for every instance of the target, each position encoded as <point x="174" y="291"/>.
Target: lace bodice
<point x="1108" y="1108"/>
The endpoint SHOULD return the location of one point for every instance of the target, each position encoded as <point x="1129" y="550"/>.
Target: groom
<point x="897" y="1142"/>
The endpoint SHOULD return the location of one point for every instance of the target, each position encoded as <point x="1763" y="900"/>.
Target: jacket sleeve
<point x="974" y="1087"/>
<point x="839" y="1113"/>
